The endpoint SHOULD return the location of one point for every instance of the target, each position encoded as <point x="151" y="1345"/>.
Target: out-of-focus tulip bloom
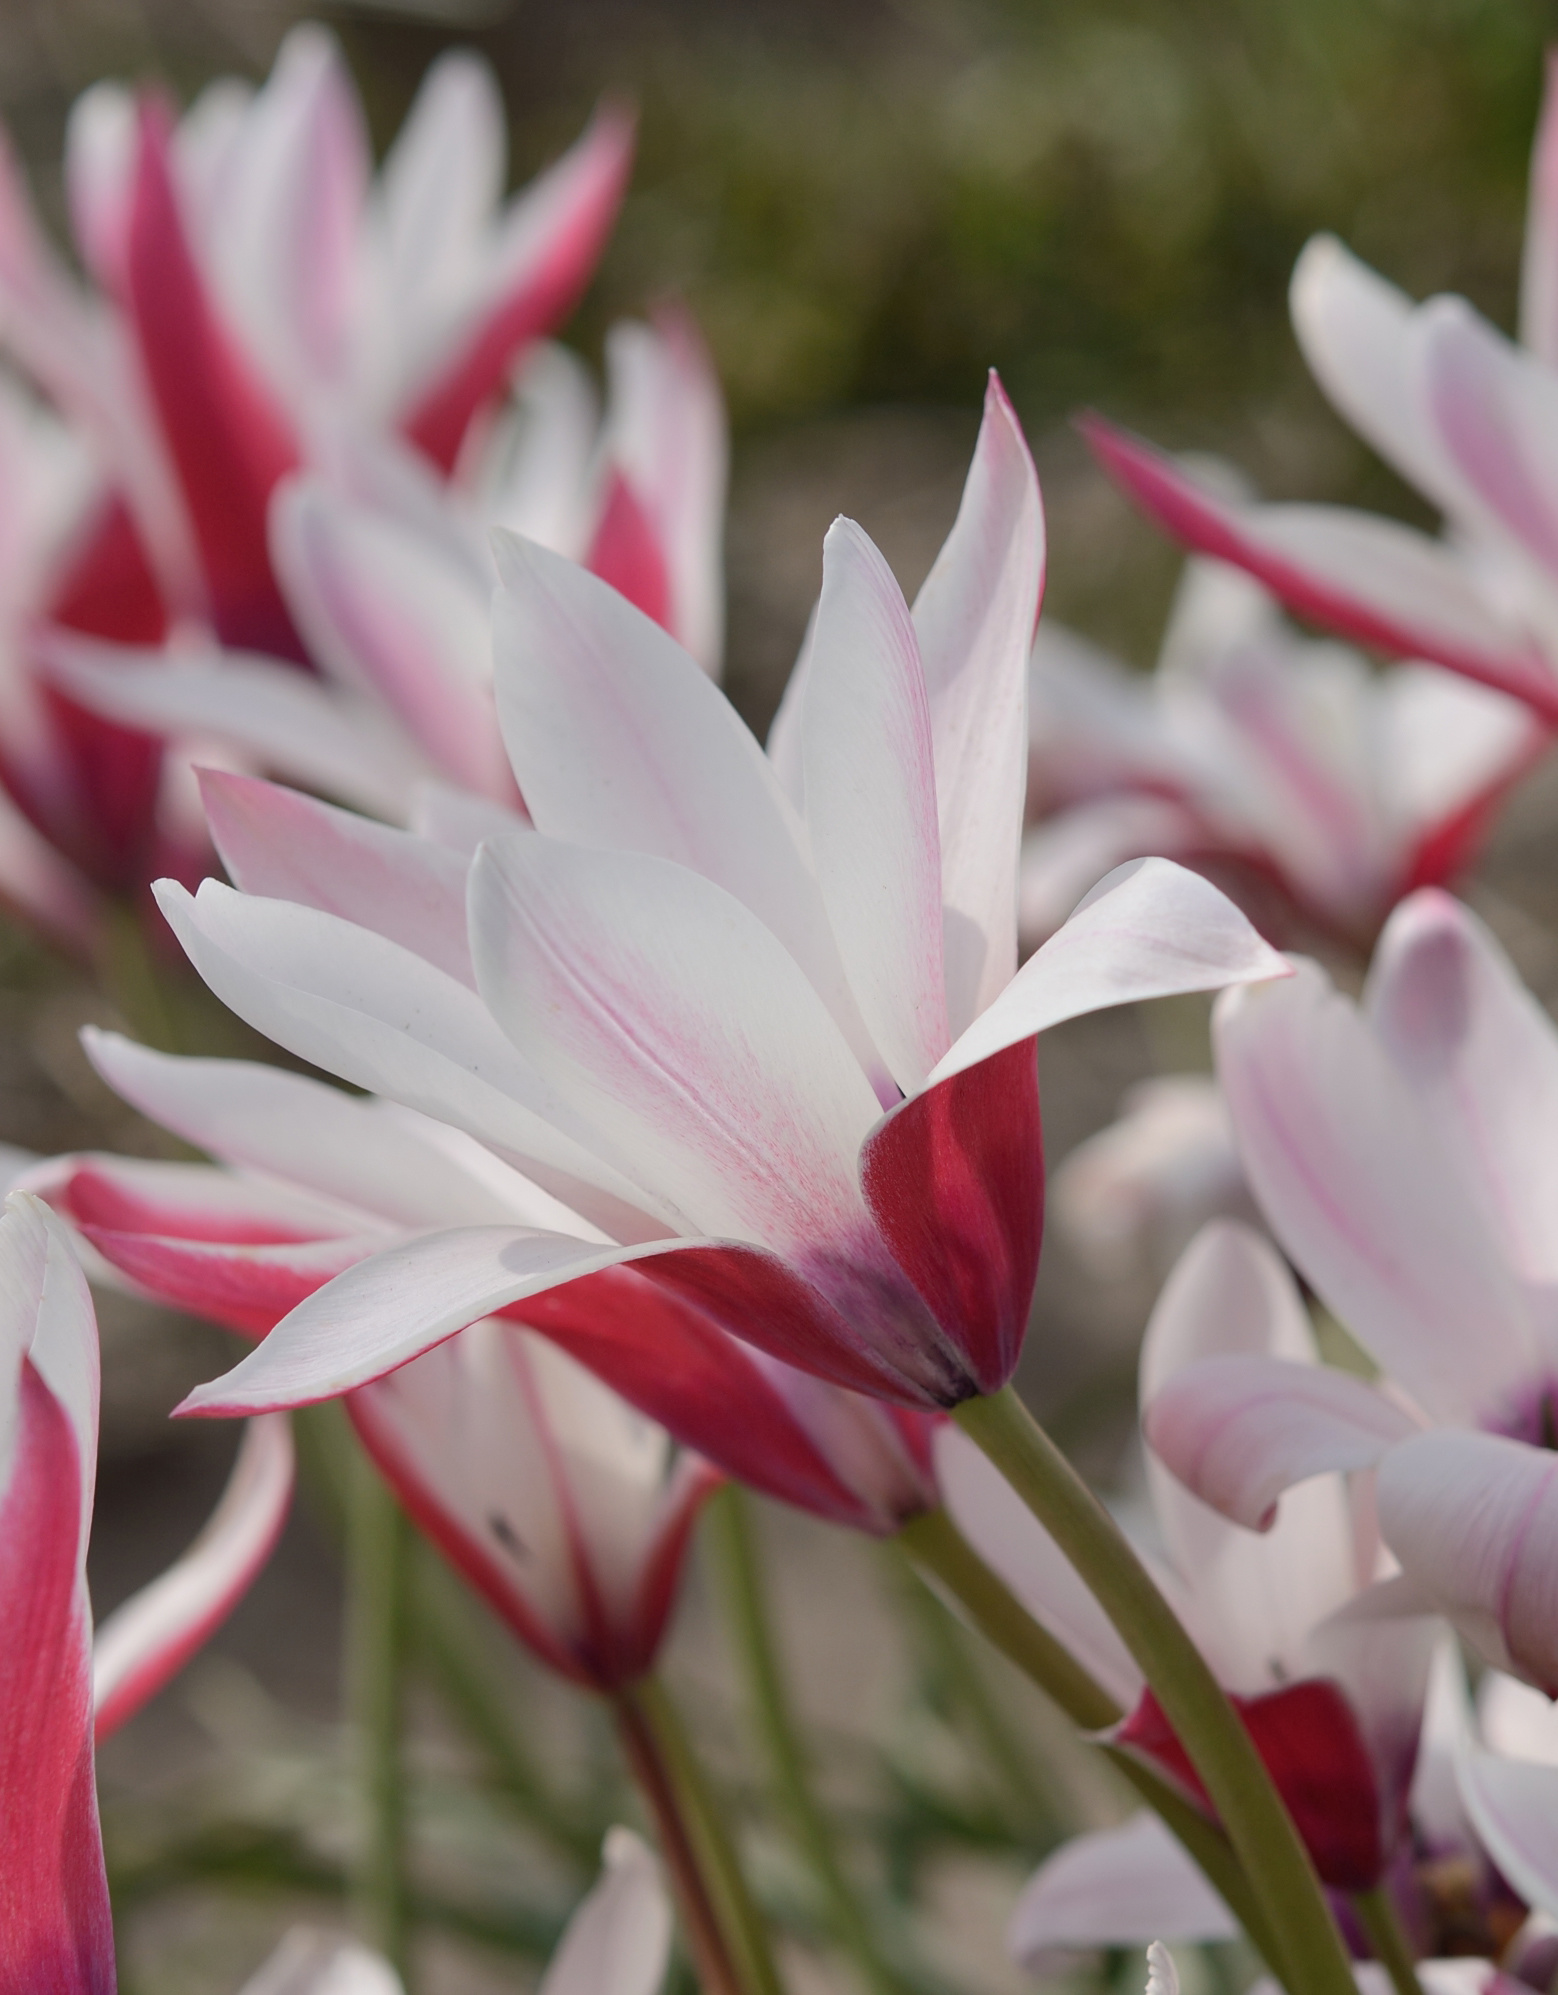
<point x="1130" y="1199"/>
<point x="1314" y="790"/>
<point x="1404" y="1153"/>
<point x="1332" y="1695"/>
<point x="314" y="1963"/>
<point x="55" y="1930"/>
<point x="768" y="1041"/>
<point x="1463" y="415"/>
<point x="261" y="296"/>
<point x="388" y="576"/>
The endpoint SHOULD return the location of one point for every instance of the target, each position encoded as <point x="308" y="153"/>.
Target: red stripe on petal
<point x="228" y="440"/>
<point x="1309" y="1739"/>
<point x="955" y="1180"/>
<point x="626" y="552"/>
<point x="56" y="1935"/>
<point x="93" y="1199"/>
<point x="246" y="1289"/>
<point x="672" y="1361"/>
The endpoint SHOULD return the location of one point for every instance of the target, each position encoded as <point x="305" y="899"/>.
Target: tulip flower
<point x="387" y="574"/>
<point x="774" y="1053"/>
<point x="1314" y="790"/>
<point x="1332" y="1698"/>
<point x="1401" y="1152"/>
<point x="1458" y="411"/>
<point x="260" y="296"/>
<point x="55" y="1930"/>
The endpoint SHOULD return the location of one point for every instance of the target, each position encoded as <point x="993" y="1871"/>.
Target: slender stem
<point x="679" y="1839"/>
<point x="935" y="1544"/>
<point x="731" y="1524"/>
<point x="377" y="1558"/>
<point x="743" y="1922"/>
<point x="1392" y="1949"/>
<point x="1313" y="1959"/>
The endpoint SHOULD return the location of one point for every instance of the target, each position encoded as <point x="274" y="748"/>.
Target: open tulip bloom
<point x="1312" y="788"/>
<point x="1401" y="1153"/>
<point x="262" y="301"/>
<point x="1459" y="412"/>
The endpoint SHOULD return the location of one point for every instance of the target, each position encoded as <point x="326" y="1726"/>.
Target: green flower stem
<point x="378" y="1545"/>
<point x="1312" y="1958"/>
<point x="738" y="1912"/>
<point x="937" y="1546"/>
<point x="1392" y="1949"/>
<point x="731" y="1525"/>
<point x="681" y="1839"/>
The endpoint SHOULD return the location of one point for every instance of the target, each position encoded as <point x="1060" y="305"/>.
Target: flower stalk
<point x="1377" y="1915"/>
<point x="1312" y="1959"/>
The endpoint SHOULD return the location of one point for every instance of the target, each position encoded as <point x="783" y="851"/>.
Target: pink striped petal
<point x="666" y="429"/>
<point x="1539" y="265"/>
<point x="247" y="1288"/>
<point x="870" y="787"/>
<point x="669" y="1016"/>
<point x="385" y="1020"/>
<point x="1240" y="1430"/>
<point x="618" y="739"/>
<point x="618" y="1941"/>
<point x="551" y="240"/>
<point x="442" y="178"/>
<point x="148" y="1640"/>
<point x="100" y="141"/>
<point x="1481" y="1056"/>
<point x="1115" y="1887"/>
<point x="192" y="1202"/>
<point x="625" y="551"/>
<point x="1150" y="929"/>
<point x="1368" y="578"/>
<point x="227" y="438"/>
<point x="386" y="610"/>
<point x="1473" y="1518"/>
<point x="974" y="617"/>
<point x="55" y="1928"/>
<point x="955" y="1179"/>
<point x="1346" y="1167"/>
<point x="1513" y="1805"/>
<point x="284" y="846"/>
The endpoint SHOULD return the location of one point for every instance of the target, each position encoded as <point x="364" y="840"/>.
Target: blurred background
<point x="866" y="203"/>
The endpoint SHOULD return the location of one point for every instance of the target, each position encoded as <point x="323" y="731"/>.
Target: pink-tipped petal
<point x="1472" y="1518"/>
<point x="870" y="787"/>
<point x="1115" y="1887"/>
<point x="55" y="1927"/>
<point x="284" y="846"/>
<point x="618" y="1941"/>
<point x="619" y="740"/>
<point x="392" y="614"/>
<point x="552" y="238"/>
<point x="1370" y="579"/>
<point x="955" y="1179"/>
<point x="1346" y="1166"/>
<point x="975" y="616"/>
<point x="148" y="1640"/>
<point x="625" y="550"/>
<point x="674" y="1020"/>
<point x="1539" y="265"/>
<point x="229" y="441"/>
<point x="1238" y="1431"/>
<point x="245" y="1287"/>
<point x="1150" y="929"/>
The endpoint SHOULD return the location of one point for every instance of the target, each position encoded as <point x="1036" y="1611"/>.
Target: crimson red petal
<point x="1310" y="1740"/>
<point x="248" y="1289"/>
<point x="955" y="1180"/>
<point x="228" y="440"/>
<point x="93" y="1199"/>
<point x="668" y="1358"/>
<point x="626" y="552"/>
<point x="55" y="1930"/>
